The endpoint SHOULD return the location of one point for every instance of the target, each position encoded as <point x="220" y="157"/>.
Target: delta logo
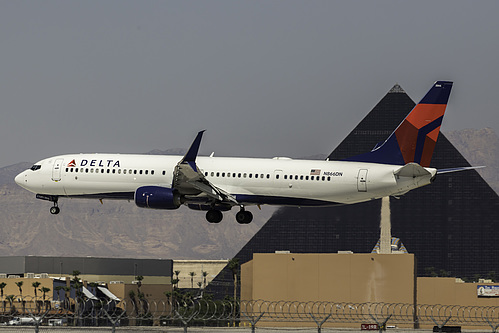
<point x="96" y="163"/>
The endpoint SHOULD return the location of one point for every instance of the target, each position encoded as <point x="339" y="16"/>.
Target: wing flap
<point x="189" y="180"/>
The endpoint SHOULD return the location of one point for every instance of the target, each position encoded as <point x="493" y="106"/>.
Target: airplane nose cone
<point x="21" y="179"/>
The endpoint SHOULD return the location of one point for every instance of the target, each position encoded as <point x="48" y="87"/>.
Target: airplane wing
<point x="188" y="180"/>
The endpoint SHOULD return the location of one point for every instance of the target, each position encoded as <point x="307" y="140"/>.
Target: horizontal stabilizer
<point x="411" y="170"/>
<point x="442" y="171"/>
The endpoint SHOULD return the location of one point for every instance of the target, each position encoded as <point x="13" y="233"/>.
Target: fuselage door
<point x="362" y="180"/>
<point x="57" y="170"/>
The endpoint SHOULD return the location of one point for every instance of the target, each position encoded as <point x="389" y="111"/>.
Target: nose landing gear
<point x="54" y="198"/>
<point x="55" y="210"/>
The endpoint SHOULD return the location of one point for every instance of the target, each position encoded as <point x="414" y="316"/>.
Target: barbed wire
<point x="82" y="311"/>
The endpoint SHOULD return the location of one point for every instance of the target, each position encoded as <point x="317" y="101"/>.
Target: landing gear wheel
<point x="54" y="210"/>
<point x="214" y="216"/>
<point x="244" y="217"/>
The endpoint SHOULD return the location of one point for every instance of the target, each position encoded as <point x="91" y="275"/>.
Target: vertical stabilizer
<point x="414" y="140"/>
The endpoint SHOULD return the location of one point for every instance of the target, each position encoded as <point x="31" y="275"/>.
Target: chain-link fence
<point x="135" y="313"/>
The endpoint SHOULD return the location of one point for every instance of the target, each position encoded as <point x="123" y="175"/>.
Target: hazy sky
<point x="264" y="78"/>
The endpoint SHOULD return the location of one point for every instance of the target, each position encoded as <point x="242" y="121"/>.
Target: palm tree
<point x="58" y="289"/>
<point x="19" y="285"/>
<point x="192" y="274"/>
<point x="45" y="290"/>
<point x="233" y="265"/>
<point x="139" y="279"/>
<point x="76" y="283"/>
<point x="10" y="298"/>
<point x="94" y="285"/>
<point x="205" y="274"/>
<point x="3" y="285"/>
<point x="176" y="275"/>
<point x="36" y="285"/>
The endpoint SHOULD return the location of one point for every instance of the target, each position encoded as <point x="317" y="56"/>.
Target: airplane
<point x="216" y="184"/>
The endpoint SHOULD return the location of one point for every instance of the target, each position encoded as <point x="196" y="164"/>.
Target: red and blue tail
<point x="415" y="138"/>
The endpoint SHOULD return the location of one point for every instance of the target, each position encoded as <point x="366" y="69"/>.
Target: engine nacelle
<point x="157" y="197"/>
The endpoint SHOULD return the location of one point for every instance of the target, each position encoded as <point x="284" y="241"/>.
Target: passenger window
<point x="119" y="171"/>
<point x="256" y="175"/>
<point x="223" y="174"/>
<point x="218" y="174"/>
<point x="134" y="172"/>
<point x="268" y="176"/>
<point x="244" y="175"/>
<point x="276" y="176"/>
<point x="238" y="175"/>
<point x="328" y="179"/>
<point x="301" y="177"/>
<point x="76" y="170"/>
<point x="296" y="177"/>
<point x="311" y="177"/>
<point x="147" y="172"/>
<point x="164" y="173"/>
<point x="285" y="176"/>
<point x="212" y="174"/>
<point x="114" y="170"/>
<point x="152" y="172"/>
<point x="140" y="172"/>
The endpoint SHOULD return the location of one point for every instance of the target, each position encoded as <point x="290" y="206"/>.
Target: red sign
<point x="369" y="327"/>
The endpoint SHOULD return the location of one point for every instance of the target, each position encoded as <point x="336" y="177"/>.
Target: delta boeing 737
<point x="216" y="184"/>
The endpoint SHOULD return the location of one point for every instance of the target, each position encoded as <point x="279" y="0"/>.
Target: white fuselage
<point x="278" y="181"/>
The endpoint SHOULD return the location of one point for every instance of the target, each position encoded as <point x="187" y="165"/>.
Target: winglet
<point x="415" y="138"/>
<point x="192" y="153"/>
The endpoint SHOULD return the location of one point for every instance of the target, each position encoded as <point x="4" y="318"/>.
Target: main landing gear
<point x="242" y="217"/>
<point x="214" y="216"/>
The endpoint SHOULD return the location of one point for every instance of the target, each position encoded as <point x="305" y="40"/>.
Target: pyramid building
<point x="451" y="225"/>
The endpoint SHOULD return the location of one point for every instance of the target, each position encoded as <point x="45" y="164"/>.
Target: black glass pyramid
<point x="450" y="225"/>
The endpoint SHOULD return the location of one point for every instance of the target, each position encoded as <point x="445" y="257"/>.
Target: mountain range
<point x="120" y="229"/>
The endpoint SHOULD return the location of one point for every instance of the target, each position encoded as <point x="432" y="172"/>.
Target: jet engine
<point x="157" y="197"/>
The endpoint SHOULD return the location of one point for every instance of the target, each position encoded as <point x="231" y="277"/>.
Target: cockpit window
<point x="36" y="167"/>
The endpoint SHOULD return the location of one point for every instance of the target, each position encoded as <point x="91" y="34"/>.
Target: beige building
<point x="354" y="278"/>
